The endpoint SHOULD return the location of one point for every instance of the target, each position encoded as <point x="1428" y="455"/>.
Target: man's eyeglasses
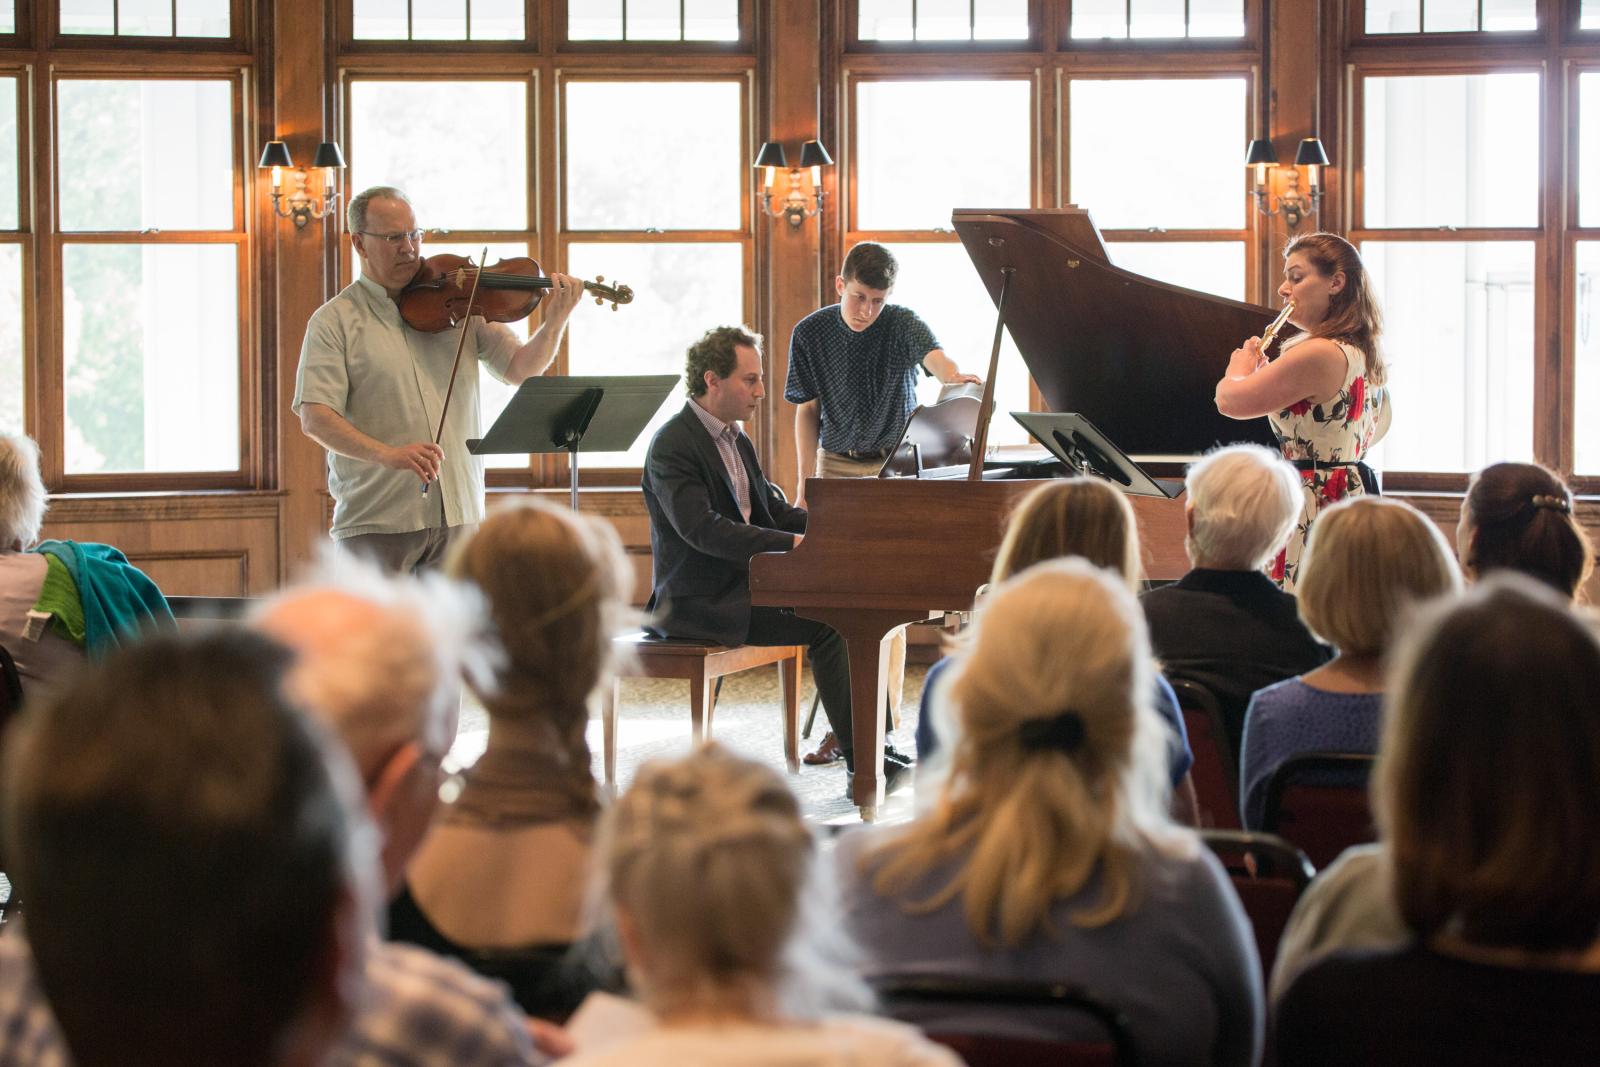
<point x="396" y="239"/>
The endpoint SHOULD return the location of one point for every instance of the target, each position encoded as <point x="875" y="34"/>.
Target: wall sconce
<point x="1293" y="205"/>
<point x="302" y="206"/>
<point x="812" y="155"/>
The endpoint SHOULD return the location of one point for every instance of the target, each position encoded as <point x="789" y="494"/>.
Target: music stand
<point x="1075" y="441"/>
<point x="561" y="414"/>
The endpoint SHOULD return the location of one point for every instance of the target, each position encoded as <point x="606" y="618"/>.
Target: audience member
<point x="1225" y="625"/>
<point x="1091" y="519"/>
<point x="59" y="599"/>
<point x="1047" y="853"/>
<point x="1370" y="560"/>
<point x="378" y="661"/>
<point x="504" y="877"/>
<point x="192" y="854"/>
<point x="1485" y="794"/>
<point x="1518" y="517"/>
<point x="707" y="860"/>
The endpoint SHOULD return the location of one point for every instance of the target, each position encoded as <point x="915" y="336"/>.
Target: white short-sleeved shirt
<point x="389" y="381"/>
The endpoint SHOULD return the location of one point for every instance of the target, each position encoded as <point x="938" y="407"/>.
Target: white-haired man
<point x="1225" y="624"/>
<point x="379" y="661"/>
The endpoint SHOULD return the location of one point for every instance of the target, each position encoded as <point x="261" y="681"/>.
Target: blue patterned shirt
<point x="867" y="381"/>
<point x="420" y="1010"/>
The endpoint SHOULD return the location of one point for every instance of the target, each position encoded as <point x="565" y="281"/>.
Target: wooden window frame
<point x="348" y="44"/>
<point x="1249" y="42"/>
<point x="745" y="43"/>
<point x="1544" y="14"/>
<point x="1552" y="237"/>
<point x="48" y="396"/>
<point x="238" y="39"/>
<point x="1033" y="42"/>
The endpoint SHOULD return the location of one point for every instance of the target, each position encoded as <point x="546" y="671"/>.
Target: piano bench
<point x="701" y="664"/>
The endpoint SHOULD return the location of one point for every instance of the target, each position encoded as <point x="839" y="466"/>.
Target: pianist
<point x="853" y="376"/>
<point x="711" y="509"/>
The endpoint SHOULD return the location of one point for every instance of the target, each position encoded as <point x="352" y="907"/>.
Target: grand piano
<point x="1139" y="358"/>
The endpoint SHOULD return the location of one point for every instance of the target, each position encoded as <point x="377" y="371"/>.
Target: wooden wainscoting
<point x="191" y="544"/>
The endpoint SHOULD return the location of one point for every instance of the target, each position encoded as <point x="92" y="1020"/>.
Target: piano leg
<point x="864" y="633"/>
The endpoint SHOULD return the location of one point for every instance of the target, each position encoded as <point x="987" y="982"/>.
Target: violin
<point x="447" y="288"/>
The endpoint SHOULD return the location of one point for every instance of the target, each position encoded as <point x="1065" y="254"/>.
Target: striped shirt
<point x="726" y="437"/>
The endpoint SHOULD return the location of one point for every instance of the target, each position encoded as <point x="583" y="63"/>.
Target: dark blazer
<point x="1233" y="632"/>
<point x="700" y="543"/>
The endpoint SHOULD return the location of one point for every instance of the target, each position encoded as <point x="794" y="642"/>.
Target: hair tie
<point x="1553" y="503"/>
<point x="1064" y="733"/>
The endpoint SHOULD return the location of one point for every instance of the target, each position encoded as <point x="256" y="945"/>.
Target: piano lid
<point x="1139" y="358"/>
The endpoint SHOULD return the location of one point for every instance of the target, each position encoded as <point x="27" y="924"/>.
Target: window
<point x="439" y="20"/>
<point x="941" y="20"/>
<point x="11" y="303"/>
<point x="1448" y="160"/>
<point x="1143" y="211"/>
<point x="673" y="229"/>
<point x="905" y="203"/>
<point x="8" y="16"/>
<point x="1586" y="336"/>
<point x="151" y="265"/>
<point x="1157" y="18"/>
<point x="1458" y="337"/>
<point x="491" y="200"/>
<point x="1589" y="15"/>
<point x="1589" y="149"/>
<point x="653" y="20"/>
<point x="1586" y="280"/>
<point x="1451" y="150"/>
<point x="1450" y="16"/>
<point x="146" y="18"/>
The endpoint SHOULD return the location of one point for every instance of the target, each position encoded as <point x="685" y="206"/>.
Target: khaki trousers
<point x="408" y="553"/>
<point x="833" y="465"/>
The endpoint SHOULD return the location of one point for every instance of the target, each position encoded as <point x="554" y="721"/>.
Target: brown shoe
<point x="827" y="752"/>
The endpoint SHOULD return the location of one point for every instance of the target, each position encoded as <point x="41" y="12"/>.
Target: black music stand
<point x="1075" y="441"/>
<point x="562" y="414"/>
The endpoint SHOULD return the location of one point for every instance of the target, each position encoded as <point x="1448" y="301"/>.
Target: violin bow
<point x="461" y="343"/>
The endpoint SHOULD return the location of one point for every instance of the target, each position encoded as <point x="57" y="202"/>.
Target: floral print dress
<point x="1338" y="431"/>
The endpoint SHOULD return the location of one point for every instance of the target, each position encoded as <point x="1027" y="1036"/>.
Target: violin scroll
<point x="617" y="294"/>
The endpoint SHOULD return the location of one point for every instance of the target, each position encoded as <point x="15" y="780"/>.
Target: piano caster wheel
<point x="869" y="813"/>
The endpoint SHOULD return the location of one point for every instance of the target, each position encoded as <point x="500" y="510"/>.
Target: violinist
<point x="371" y="390"/>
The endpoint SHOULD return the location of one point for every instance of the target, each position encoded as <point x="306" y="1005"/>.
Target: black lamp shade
<point x="771" y="155"/>
<point x="328" y="155"/>
<point x="1311" y="154"/>
<point x="1260" y="151"/>
<point x="275" y="154"/>
<point x="812" y="154"/>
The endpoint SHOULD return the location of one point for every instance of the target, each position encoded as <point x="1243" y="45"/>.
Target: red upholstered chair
<point x="1269" y="874"/>
<point x="917" y="999"/>
<point x="1318" y="800"/>
<point x="1215" y="772"/>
